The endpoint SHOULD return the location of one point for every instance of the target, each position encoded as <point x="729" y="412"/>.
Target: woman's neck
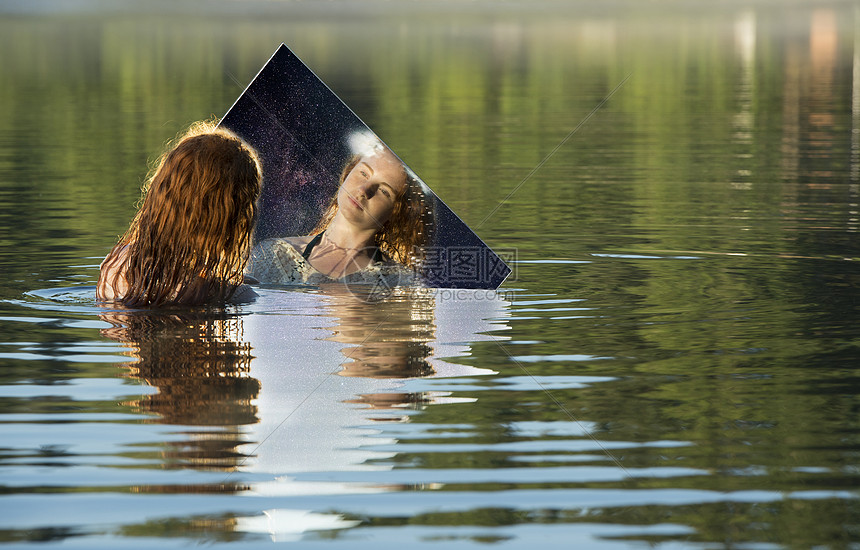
<point x="345" y="235"/>
<point x="344" y="249"/>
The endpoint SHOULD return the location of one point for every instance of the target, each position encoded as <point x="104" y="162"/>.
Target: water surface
<point x="672" y="363"/>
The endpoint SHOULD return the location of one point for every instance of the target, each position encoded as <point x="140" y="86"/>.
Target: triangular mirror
<point x="306" y="138"/>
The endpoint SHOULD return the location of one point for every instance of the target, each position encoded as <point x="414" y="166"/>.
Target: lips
<point x="355" y="203"/>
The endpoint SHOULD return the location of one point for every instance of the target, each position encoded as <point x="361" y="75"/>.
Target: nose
<point x="366" y="190"/>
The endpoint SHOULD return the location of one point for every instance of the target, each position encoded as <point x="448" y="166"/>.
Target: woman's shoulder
<point x="112" y="283"/>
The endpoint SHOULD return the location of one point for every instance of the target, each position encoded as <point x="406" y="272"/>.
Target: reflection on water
<point x="315" y="393"/>
<point x="200" y="366"/>
<point x="385" y="342"/>
<point x="318" y="398"/>
<point x="674" y="363"/>
<point x="270" y="398"/>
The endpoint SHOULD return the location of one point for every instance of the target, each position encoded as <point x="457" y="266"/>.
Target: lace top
<point x="277" y="261"/>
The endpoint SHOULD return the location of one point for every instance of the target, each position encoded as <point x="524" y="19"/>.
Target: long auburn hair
<point x="405" y="234"/>
<point x="190" y="240"/>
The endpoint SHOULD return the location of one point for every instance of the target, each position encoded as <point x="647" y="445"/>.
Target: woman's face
<point x="371" y="189"/>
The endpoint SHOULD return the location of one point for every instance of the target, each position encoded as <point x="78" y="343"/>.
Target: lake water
<point x="672" y="364"/>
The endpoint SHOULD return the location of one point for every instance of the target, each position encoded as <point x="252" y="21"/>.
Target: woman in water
<point x="375" y="227"/>
<point x="190" y="240"/>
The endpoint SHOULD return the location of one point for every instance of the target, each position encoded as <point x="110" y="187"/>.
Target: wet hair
<point x="190" y="240"/>
<point x="405" y="234"/>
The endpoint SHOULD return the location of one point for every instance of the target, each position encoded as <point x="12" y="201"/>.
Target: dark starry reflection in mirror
<point x="305" y="135"/>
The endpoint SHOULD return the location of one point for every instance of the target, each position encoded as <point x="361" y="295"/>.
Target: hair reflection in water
<point x="200" y="364"/>
<point x="388" y="339"/>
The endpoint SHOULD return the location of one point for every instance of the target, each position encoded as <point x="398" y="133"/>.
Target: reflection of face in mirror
<point x="378" y="207"/>
<point x="370" y="188"/>
<point x="200" y="365"/>
<point x="375" y="228"/>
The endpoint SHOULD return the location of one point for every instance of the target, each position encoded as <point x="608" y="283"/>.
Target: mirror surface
<point x="309" y="141"/>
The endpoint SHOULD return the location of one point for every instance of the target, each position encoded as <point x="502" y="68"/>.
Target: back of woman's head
<point x="189" y="242"/>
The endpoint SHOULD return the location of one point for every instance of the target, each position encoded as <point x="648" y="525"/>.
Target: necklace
<point x="337" y="246"/>
<point x="334" y="260"/>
